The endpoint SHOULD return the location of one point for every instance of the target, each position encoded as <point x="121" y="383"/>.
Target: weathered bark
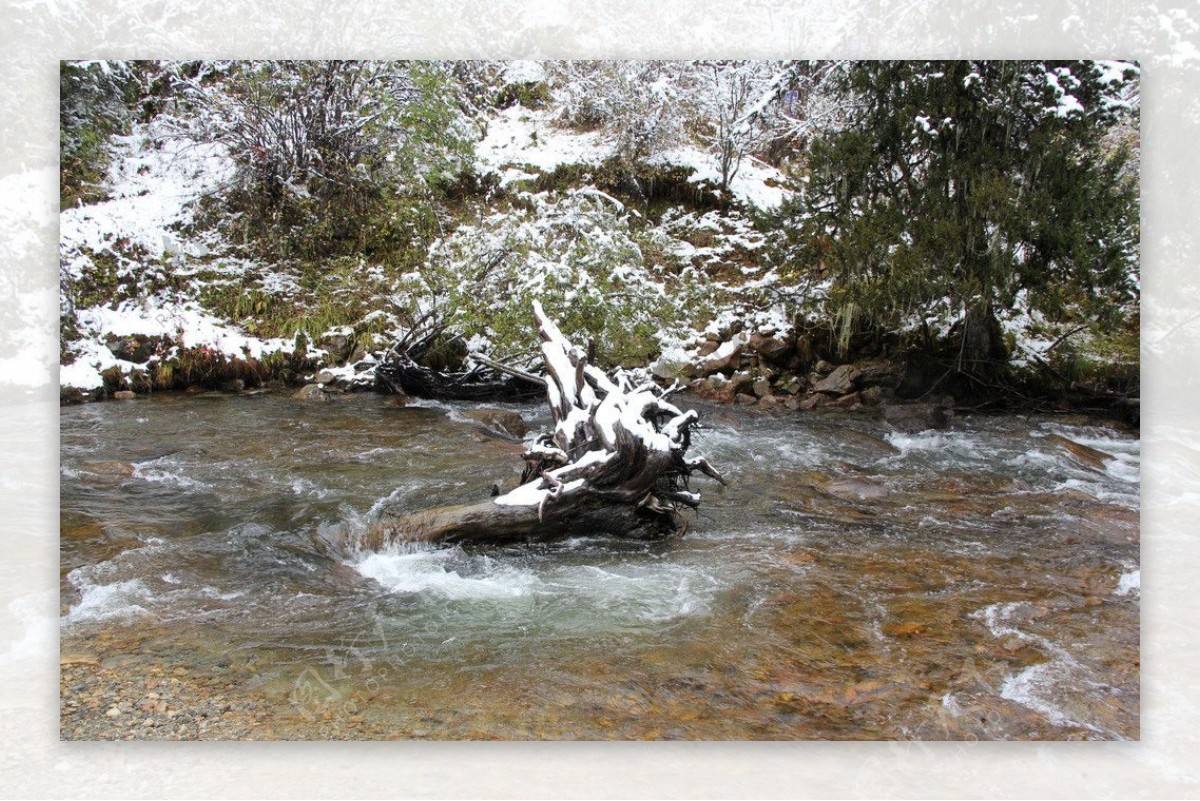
<point x="615" y="465"/>
<point x="426" y="363"/>
<point x="493" y="523"/>
<point x="401" y="375"/>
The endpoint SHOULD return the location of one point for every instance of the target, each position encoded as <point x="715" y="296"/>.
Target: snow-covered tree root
<point x="615" y="464"/>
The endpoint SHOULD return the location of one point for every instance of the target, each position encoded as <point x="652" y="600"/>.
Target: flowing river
<point x="851" y="582"/>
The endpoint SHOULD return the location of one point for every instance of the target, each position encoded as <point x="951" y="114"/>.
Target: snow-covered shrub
<point x="580" y="254"/>
<point x="94" y="104"/>
<point x="725" y="93"/>
<point x="332" y="155"/>
<point x="640" y="105"/>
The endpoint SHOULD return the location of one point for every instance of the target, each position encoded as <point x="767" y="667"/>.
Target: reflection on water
<point x="850" y="583"/>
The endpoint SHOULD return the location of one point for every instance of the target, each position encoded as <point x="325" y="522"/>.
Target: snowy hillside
<point x="137" y="264"/>
<point x="262" y="222"/>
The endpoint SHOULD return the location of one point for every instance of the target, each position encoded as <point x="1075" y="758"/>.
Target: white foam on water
<point x="655" y="593"/>
<point x="944" y="447"/>
<point x="1125" y="468"/>
<point x="923" y="441"/>
<point x="145" y="472"/>
<point x="120" y="600"/>
<point x="581" y="595"/>
<point x="1025" y="687"/>
<point x="215" y="594"/>
<point x="436" y="572"/>
<point x="458" y="412"/>
<point x="366" y="456"/>
<point x="1102" y="491"/>
<point x="726" y="446"/>
<point x="1034" y="686"/>
<point x="1129" y="582"/>
<point x="302" y="486"/>
<point x="786" y="536"/>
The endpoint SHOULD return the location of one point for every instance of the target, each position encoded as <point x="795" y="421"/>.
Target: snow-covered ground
<point x="573" y="245"/>
<point x="153" y="185"/>
<point x="519" y="139"/>
<point x="576" y="242"/>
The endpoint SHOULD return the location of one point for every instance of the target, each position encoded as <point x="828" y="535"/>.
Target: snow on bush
<point x="582" y="254"/>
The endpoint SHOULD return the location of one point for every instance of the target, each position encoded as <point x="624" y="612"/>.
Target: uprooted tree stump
<point x="615" y="464"/>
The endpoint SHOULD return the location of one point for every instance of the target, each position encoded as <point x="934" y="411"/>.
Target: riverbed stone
<point x="761" y="388"/>
<point x="136" y="349"/>
<point x="814" y="401"/>
<point x="769" y="402"/>
<point x="1081" y="454"/>
<point x="715" y="388"/>
<point x="500" y="421"/>
<point x="856" y="489"/>
<point x="124" y="394"/>
<point x="312" y="392"/>
<point x="790" y="384"/>
<point x="742" y="383"/>
<point x="110" y="469"/>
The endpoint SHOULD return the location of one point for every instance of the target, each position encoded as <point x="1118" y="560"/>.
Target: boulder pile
<point x="769" y="367"/>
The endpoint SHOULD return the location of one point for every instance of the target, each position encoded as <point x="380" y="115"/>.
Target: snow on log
<point x="616" y="463"/>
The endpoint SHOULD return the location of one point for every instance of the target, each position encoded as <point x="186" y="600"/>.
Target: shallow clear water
<point x="849" y="583"/>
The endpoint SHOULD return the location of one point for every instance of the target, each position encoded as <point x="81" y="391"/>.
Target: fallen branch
<point x="513" y="371"/>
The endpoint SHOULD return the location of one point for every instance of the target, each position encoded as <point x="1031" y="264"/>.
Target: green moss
<point x="99" y="284"/>
<point x="528" y="95"/>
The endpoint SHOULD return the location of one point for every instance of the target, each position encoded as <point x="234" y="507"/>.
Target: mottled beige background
<point x="35" y="34"/>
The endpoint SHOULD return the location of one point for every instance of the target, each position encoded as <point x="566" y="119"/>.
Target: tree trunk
<point x="615" y="465"/>
<point x="983" y="351"/>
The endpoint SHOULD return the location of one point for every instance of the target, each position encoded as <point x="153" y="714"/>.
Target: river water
<point x="850" y="583"/>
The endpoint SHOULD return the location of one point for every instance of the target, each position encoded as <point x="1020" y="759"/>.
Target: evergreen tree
<point x="952" y="187"/>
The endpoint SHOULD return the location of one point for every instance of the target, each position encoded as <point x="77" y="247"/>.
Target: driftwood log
<point x="615" y="464"/>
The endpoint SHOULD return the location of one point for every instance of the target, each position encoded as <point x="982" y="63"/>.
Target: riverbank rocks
<point x="851" y="401"/>
<point x="774" y="367"/>
<point x="136" y="349"/>
<point x="913" y="418"/>
<point x="840" y="380"/>
<point x="770" y="345"/>
<point x="313" y="392"/>
<point x="352" y="377"/>
<point x="725" y="359"/>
